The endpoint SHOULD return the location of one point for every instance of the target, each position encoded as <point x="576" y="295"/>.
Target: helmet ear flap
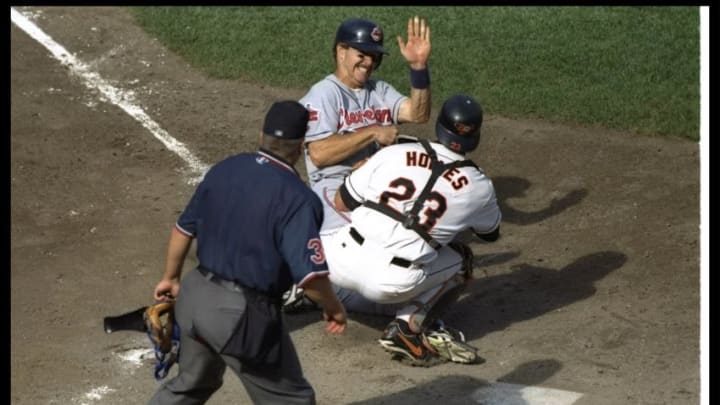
<point x="458" y="143"/>
<point x="377" y="59"/>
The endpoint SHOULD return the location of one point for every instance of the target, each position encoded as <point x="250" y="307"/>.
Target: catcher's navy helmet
<point x="361" y="34"/>
<point x="458" y="124"/>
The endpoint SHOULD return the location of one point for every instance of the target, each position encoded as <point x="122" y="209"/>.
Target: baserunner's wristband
<point x="419" y="79"/>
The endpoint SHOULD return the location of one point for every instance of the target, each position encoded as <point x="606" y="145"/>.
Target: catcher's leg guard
<point x="455" y="287"/>
<point x="430" y="305"/>
<point x="468" y="258"/>
<point x="450" y="271"/>
<point x="449" y="343"/>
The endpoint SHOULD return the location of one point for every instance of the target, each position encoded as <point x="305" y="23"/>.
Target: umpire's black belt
<point x="235" y="286"/>
<point x="210" y="276"/>
<point x="398" y="261"/>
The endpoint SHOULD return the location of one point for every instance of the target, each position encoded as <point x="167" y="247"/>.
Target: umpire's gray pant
<point x="212" y="311"/>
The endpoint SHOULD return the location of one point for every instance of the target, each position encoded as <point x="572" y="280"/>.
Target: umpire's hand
<point x="320" y="291"/>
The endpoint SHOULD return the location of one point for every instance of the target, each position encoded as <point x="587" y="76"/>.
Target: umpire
<point x="256" y="225"/>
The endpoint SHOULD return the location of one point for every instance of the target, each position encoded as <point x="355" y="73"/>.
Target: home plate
<point x="134" y="357"/>
<point x="515" y="394"/>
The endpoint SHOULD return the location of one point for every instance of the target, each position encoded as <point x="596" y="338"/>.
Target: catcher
<point x="397" y="256"/>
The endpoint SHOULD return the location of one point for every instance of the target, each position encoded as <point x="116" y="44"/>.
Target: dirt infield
<point x="594" y="287"/>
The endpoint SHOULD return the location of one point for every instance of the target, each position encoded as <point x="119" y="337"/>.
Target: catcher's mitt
<point x="159" y="321"/>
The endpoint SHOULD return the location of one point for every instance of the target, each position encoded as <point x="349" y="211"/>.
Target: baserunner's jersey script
<point x="336" y="108"/>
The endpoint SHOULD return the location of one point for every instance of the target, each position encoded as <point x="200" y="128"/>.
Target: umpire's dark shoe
<point x="408" y="346"/>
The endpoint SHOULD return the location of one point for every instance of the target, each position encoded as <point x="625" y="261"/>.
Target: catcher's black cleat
<point x="412" y="348"/>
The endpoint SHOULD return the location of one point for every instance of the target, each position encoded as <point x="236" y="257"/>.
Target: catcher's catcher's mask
<point x="164" y="333"/>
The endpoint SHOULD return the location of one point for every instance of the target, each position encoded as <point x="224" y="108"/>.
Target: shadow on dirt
<point x="496" y="302"/>
<point x="515" y="187"/>
<point x="375" y="321"/>
<point x="461" y="389"/>
<point x="492" y="259"/>
<point x="533" y="372"/>
<point x="529" y="291"/>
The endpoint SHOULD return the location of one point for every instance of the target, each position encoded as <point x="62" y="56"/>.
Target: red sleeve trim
<point x="312" y="276"/>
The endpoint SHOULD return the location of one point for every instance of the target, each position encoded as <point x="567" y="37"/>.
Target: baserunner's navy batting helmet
<point x="458" y="123"/>
<point x="361" y="34"/>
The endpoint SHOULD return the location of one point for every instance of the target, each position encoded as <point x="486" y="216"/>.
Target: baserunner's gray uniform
<point x="337" y="109"/>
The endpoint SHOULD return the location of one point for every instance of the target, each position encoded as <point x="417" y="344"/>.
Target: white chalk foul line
<point x="113" y="94"/>
<point x="515" y="394"/>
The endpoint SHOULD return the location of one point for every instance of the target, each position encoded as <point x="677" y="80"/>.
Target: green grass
<point x="627" y="68"/>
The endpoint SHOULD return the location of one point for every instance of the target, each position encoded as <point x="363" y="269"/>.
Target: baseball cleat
<point x="412" y="348"/>
<point x="451" y="344"/>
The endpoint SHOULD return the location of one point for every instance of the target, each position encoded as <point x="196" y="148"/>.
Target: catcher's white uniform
<point x="385" y="262"/>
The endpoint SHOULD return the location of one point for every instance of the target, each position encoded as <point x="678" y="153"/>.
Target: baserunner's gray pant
<point x="211" y="311"/>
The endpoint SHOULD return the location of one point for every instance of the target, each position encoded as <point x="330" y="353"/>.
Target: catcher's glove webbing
<point x="164" y="333"/>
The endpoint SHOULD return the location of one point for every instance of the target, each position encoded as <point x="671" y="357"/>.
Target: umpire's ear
<point x="298" y="152"/>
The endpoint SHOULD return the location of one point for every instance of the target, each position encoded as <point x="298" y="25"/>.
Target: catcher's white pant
<point x="367" y="269"/>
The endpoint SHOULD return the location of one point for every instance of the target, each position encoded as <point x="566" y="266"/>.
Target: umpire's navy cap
<point x="287" y="120"/>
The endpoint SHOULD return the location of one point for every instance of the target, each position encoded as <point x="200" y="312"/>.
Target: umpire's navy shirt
<point x="256" y="223"/>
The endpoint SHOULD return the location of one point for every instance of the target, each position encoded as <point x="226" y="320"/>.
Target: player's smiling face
<point x="354" y="67"/>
